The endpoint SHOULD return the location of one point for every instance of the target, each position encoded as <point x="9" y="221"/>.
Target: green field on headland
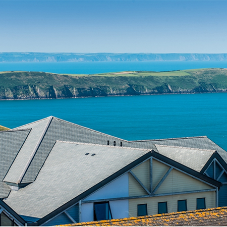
<point x="2" y="128"/>
<point x="32" y="85"/>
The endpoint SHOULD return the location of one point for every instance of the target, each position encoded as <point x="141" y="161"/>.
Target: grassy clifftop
<point x="2" y="128"/>
<point x="29" y="85"/>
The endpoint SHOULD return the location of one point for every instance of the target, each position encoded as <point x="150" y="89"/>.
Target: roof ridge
<point x="216" y="144"/>
<point x="33" y="122"/>
<point x="102" y="145"/>
<point x="34" y="151"/>
<point x="177" y="138"/>
<point x="191" y="148"/>
<point x="170" y="138"/>
<point x="90" y="129"/>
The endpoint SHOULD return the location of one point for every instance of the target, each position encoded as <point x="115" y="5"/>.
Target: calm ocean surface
<point x="129" y="117"/>
<point x="102" y="67"/>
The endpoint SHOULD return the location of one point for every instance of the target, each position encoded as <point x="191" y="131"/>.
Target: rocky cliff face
<point x="35" y="92"/>
<point x="36" y="85"/>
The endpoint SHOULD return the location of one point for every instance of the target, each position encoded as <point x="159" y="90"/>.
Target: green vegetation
<point x="2" y="128"/>
<point x="29" y="85"/>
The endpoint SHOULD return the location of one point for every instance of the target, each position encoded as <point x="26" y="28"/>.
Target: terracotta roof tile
<point x="206" y="217"/>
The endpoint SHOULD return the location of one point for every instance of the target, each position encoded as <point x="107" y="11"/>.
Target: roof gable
<point x="64" y="168"/>
<point x="185" y="169"/>
<point x="193" y="158"/>
<point x="216" y="156"/>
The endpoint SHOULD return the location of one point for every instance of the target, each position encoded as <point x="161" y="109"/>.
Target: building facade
<point x="56" y="172"/>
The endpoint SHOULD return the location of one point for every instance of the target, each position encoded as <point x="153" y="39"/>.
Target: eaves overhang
<point x="12" y="212"/>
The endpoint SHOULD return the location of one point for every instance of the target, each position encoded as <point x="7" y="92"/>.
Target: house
<point x="57" y="172"/>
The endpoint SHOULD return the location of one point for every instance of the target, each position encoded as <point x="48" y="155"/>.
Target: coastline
<point x="83" y="97"/>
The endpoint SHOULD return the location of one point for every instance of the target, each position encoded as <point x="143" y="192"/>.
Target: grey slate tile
<point x="25" y="154"/>
<point x="67" y="173"/>
<point x="10" y="144"/>
<point x="193" y="158"/>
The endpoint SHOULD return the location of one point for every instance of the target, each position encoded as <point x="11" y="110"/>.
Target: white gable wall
<point x="119" y="209"/>
<point x="87" y="212"/>
<point x="115" y="189"/>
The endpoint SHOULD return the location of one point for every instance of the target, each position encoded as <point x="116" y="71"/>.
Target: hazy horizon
<point x="43" y="52"/>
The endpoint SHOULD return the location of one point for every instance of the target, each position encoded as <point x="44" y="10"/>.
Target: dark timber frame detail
<point x="141" y="184"/>
<point x="12" y="212"/>
<point x="147" y="156"/>
<point x="161" y="181"/>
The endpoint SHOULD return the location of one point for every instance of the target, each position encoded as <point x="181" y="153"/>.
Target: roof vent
<point x="87" y="154"/>
<point x="93" y="155"/>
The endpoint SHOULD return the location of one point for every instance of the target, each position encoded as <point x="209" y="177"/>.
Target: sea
<point x="128" y="117"/>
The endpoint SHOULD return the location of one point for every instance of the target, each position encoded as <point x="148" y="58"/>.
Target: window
<point x="141" y="209"/>
<point x="182" y="205"/>
<point x="114" y="143"/>
<point x="102" y="211"/>
<point x="5" y="221"/>
<point x="162" y="207"/>
<point x="108" y="142"/>
<point x="200" y="203"/>
<point x="121" y="144"/>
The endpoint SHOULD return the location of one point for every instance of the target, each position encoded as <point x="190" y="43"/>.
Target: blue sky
<point x="124" y="26"/>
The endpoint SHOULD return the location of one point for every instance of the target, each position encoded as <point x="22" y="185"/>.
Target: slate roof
<point x="45" y="132"/>
<point x="31" y="154"/>
<point x="40" y="141"/>
<point x="10" y="144"/>
<point x="206" y="217"/>
<point x="193" y="158"/>
<point x="200" y="143"/>
<point x="61" y="177"/>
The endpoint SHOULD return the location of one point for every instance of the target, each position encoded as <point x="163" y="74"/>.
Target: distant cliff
<point x="40" y="85"/>
<point x="76" y="57"/>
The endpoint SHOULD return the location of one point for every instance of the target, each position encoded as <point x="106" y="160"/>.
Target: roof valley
<point x="35" y="150"/>
<point x="22" y="161"/>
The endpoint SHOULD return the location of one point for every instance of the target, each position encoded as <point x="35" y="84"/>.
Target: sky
<point x="113" y="26"/>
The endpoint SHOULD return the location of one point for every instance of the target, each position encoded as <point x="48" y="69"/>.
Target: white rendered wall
<point x="119" y="209"/>
<point x="115" y="189"/>
<point x="87" y="212"/>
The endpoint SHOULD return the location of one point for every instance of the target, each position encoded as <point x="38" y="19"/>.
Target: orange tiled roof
<point x="206" y="217"/>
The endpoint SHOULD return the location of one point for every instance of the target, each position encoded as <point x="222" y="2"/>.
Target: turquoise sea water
<point x="131" y="117"/>
<point x="102" y="67"/>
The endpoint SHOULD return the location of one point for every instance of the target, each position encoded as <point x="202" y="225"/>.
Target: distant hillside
<point x="2" y="128"/>
<point x="124" y="57"/>
<point x="40" y="85"/>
